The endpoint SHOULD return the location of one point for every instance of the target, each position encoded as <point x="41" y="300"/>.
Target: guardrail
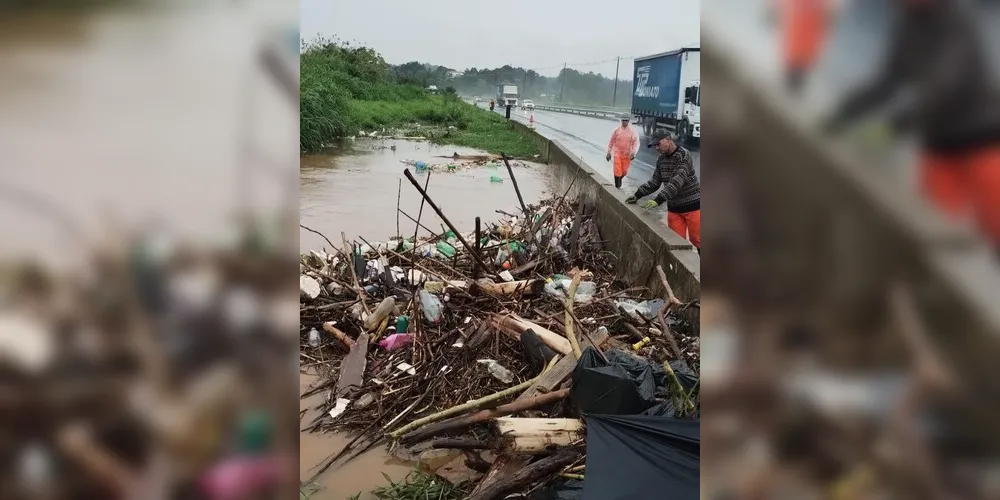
<point x="607" y="113"/>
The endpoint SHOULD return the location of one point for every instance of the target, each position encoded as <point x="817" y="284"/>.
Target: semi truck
<point x="666" y="94"/>
<point x="507" y="95"/>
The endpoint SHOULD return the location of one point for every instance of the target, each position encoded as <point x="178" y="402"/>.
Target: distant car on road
<point x="527" y="104"/>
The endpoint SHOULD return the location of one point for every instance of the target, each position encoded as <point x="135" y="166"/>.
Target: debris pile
<point x="459" y="162"/>
<point x="496" y="343"/>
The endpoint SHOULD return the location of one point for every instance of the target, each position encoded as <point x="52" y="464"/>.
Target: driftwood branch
<point x="462" y="408"/>
<point x="526" y="475"/>
<point x="482" y="416"/>
<point x="570" y="334"/>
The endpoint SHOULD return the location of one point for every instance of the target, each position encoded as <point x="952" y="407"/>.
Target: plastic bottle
<point x="497" y="370"/>
<point x="420" y="165"/>
<point x="380" y="313"/>
<point x="402" y="323"/>
<point x="496" y="178"/>
<point x="431" y="306"/>
<point x="314" y="338"/>
<point x="446" y="249"/>
<point x="502" y="257"/>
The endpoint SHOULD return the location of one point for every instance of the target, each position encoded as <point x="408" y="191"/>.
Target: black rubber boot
<point x="618" y="182"/>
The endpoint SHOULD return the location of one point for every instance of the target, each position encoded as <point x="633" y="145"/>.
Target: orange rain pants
<point x="804" y="29"/>
<point x="622" y="162"/>
<point x="688" y="225"/>
<point x="967" y="182"/>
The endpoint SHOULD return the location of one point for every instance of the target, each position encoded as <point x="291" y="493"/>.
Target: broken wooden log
<point x="464" y="421"/>
<point x="525" y="476"/>
<point x="526" y="288"/>
<point x="516" y="325"/>
<point x="339" y="335"/>
<point x="532" y="436"/>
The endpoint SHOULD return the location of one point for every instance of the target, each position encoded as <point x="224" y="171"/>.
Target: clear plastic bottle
<point x="314" y="338"/>
<point x="497" y="370"/>
<point x="380" y="313"/>
<point x="431" y="306"/>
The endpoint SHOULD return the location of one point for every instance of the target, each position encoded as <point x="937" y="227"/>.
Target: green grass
<point x="419" y="486"/>
<point x="345" y="89"/>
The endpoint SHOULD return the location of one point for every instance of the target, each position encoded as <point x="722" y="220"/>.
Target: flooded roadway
<point x="354" y="190"/>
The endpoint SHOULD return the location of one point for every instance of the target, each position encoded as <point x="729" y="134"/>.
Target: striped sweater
<point x="675" y="172"/>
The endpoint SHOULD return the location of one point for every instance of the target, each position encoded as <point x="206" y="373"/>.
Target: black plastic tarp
<point x="642" y="456"/>
<point x="624" y="384"/>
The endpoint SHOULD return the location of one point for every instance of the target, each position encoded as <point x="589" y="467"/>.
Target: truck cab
<point x="690" y="122"/>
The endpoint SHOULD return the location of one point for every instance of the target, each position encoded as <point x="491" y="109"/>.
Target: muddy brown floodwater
<point x="353" y="190"/>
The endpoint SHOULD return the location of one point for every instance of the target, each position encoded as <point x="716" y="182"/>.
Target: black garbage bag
<point x="621" y="386"/>
<point x="640" y="456"/>
<point x="538" y="353"/>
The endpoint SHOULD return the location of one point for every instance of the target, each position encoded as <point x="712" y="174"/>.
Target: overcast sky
<point x="541" y="34"/>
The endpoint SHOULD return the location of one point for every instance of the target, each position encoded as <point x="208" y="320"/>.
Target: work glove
<point x="631" y="200"/>
<point x="650" y="204"/>
<point x="608" y="157"/>
<point x="631" y="158"/>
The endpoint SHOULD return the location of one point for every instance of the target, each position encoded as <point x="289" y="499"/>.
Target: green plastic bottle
<point x="446" y="249"/>
<point x="402" y="323"/>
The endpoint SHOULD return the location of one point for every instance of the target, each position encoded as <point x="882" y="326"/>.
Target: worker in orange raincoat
<point x="804" y="28"/>
<point x="624" y="144"/>
<point x="938" y="52"/>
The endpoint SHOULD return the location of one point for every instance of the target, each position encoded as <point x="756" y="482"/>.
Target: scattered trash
<point x="314" y="338"/>
<point x="431" y="306"/>
<point x="471" y="338"/>
<point x="381" y="313"/>
<point x="497" y="370"/>
<point x="339" y="407"/>
<point x="396" y="341"/>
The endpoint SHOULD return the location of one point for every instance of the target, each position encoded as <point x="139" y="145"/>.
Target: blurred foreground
<point x="849" y="329"/>
<point x="146" y="344"/>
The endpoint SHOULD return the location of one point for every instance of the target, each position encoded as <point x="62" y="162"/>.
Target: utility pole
<point x="563" y="85"/>
<point x="614" y="97"/>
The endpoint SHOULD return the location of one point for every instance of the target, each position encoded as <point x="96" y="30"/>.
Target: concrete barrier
<point x="637" y="240"/>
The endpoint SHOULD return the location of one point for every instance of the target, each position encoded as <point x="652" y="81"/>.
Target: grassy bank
<point x="347" y="89"/>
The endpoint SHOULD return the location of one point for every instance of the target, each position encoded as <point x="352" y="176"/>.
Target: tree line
<point x="571" y="85"/>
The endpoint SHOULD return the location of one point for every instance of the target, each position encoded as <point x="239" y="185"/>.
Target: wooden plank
<point x="560" y="372"/>
<point x="515" y="426"/>
<point x="352" y="370"/>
